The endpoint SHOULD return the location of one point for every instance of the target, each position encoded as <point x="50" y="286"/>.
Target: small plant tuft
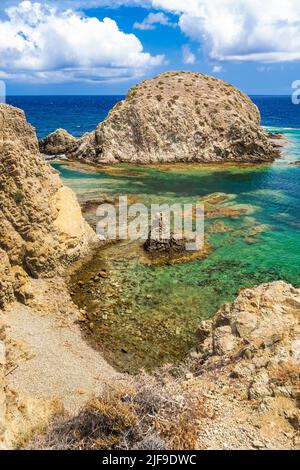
<point x="18" y="197"/>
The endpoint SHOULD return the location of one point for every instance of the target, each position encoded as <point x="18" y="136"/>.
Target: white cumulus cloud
<point x="41" y="43"/>
<point x="217" y="68"/>
<point x="241" y="30"/>
<point x="188" y="56"/>
<point x="152" y="20"/>
<point x="83" y="4"/>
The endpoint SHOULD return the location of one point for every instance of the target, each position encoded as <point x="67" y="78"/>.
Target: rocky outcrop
<point x="2" y="391"/>
<point x="179" y="117"/>
<point x="59" y="142"/>
<point x="164" y="246"/>
<point x="259" y="318"/>
<point x="6" y="280"/>
<point x="258" y="336"/>
<point x="159" y="241"/>
<point x="42" y="229"/>
<point x="248" y="364"/>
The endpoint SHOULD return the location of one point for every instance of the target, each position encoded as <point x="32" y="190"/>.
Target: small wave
<point x="270" y="128"/>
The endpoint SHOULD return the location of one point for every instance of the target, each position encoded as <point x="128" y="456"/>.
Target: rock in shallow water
<point x="59" y="142"/>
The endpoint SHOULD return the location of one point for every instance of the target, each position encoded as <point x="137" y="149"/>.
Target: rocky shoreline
<point x="42" y="235"/>
<point x="245" y="369"/>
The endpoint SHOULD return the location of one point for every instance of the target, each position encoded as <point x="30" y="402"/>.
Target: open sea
<point x="76" y="114"/>
<point x="160" y="307"/>
<point x="80" y="114"/>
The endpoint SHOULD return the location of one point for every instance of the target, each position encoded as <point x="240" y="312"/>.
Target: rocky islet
<point x="175" y="117"/>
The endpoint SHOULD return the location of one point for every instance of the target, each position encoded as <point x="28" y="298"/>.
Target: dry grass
<point x="288" y="373"/>
<point x="151" y="413"/>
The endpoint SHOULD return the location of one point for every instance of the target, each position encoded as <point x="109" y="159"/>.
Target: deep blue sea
<point x="76" y="114"/>
<point x="80" y="114"/>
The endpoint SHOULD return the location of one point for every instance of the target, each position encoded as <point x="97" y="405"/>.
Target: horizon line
<point x="118" y="94"/>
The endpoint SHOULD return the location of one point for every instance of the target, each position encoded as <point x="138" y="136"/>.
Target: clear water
<point x="181" y="295"/>
<point x="155" y="316"/>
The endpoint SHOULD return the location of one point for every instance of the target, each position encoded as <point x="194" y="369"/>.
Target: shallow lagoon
<point x="144" y="316"/>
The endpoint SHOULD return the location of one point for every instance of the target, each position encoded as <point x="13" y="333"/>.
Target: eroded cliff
<point x="42" y="231"/>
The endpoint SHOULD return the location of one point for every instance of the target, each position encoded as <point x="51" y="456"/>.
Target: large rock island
<point x="175" y="117"/>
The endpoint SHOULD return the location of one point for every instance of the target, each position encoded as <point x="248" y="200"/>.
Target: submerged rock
<point x="180" y="117"/>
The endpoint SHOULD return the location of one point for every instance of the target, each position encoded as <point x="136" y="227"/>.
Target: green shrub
<point x="18" y="197"/>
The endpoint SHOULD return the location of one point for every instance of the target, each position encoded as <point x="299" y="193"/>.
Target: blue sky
<point x="105" y="47"/>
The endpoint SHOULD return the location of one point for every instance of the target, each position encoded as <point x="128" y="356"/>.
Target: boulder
<point x="259" y="317"/>
<point x="257" y="338"/>
<point x="59" y="142"/>
<point x="223" y="341"/>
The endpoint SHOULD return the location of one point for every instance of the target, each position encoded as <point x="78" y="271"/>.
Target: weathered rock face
<point x="248" y="365"/>
<point x="2" y="394"/>
<point x="59" y="142"/>
<point x="6" y="280"/>
<point x="259" y="334"/>
<point x="259" y="318"/>
<point x="42" y="229"/>
<point x="180" y="117"/>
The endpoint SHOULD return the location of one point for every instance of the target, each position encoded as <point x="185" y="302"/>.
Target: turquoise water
<point x="273" y="192"/>
<point x="152" y="312"/>
<point x="167" y="302"/>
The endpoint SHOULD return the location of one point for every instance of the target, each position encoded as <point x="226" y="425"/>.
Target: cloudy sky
<point x="102" y="46"/>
